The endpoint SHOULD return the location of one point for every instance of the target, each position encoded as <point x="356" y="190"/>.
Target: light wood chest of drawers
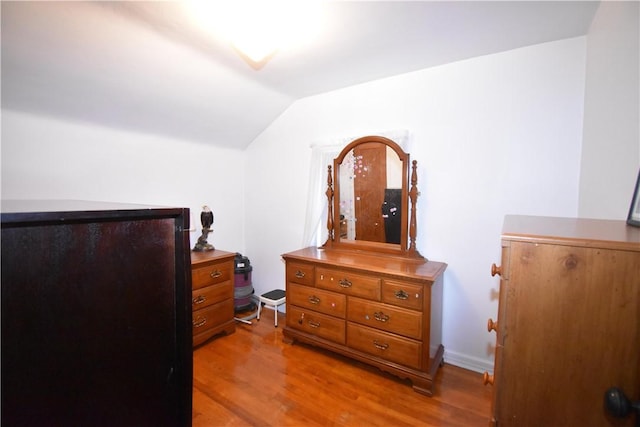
<point x="212" y="275"/>
<point x="568" y="325"/>
<point x="381" y="310"/>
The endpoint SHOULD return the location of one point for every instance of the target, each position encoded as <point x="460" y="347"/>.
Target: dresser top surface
<point x="210" y="256"/>
<point x="614" y="234"/>
<point x="383" y="264"/>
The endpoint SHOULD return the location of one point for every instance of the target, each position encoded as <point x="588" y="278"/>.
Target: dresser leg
<point x="285" y="338"/>
<point x="423" y="387"/>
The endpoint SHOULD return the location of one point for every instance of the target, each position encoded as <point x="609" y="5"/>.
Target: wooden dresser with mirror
<point x="367" y="293"/>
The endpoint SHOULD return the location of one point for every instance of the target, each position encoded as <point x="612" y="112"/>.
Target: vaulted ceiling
<point x="144" y="66"/>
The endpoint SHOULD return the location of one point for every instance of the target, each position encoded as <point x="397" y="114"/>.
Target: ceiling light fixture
<point x="257" y="30"/>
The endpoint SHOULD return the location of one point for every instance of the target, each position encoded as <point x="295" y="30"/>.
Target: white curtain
<point x="322" y="155"/>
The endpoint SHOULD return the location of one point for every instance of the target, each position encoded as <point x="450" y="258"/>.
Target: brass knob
<point x="487" y="379"/>
<point x="496" y="270"/>
<point x="491" y="325"/>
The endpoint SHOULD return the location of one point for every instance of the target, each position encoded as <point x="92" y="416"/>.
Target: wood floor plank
<point x="252" y="378"/>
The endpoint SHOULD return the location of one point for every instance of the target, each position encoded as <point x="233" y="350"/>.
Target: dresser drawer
<point x="300" y="273"/>
<point x="403" y="294"/>
<point x="211" y="274"/>
<point x="212" y="316"/>
<point x="384" y="345"/>
<point x="204" y="297"/>
<point x="317" y="299"/>
<point x="348" y="283"/>
<point x="386" y="317"/>
<point x="317" y="324"/>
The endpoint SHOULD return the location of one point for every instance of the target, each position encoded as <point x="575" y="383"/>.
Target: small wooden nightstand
<point x="212" y="296"/>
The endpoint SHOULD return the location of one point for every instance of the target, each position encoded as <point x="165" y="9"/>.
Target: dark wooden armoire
<point x="96" y="315"/>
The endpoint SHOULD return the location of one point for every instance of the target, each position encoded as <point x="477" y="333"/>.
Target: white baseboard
<point x="468" y="362"/>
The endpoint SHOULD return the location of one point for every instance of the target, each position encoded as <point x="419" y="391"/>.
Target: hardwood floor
<point x="252" y="378"/>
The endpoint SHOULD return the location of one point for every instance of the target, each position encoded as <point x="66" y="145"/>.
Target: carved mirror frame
<point x="409" y="193"/>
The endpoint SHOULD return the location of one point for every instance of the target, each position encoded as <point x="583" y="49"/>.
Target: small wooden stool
<point x="272" y="299"/>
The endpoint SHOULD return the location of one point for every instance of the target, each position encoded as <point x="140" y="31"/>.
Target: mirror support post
<point x="329" y="194"/>
<point x="413" y="195"/>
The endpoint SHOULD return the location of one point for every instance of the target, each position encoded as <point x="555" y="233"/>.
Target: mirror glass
<point x="370" y="200"/>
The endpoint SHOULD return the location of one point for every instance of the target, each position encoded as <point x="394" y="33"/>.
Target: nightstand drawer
<point x="204" y="297"/>
<point x="386" y="317"/>
<point x="348" y="283"/>
<point x="320" y="325"/>
<point x="211" y="274"/>
<point x="384" y="345"/>
<point x="212" y="316"/>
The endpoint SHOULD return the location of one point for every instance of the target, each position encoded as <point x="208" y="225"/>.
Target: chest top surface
<point x="597" y="233"/>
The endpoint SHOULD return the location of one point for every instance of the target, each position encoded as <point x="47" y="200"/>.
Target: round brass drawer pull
<point x="496" y="270"/>
<point x="487" y="379"/>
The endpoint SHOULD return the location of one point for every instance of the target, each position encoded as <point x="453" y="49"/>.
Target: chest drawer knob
<point x="345" y="283"/>
<point x="400" y="294"/>
<point x="215" y="274"/>
<point x="496" y="270"/>
<point x="491" y="325"/>
<point x="487" y="379"/>
<point x="380" y="316"/>
<point x="300" y="274"/>
<point x="314" y="300"/>
<point x="199" y="299"/>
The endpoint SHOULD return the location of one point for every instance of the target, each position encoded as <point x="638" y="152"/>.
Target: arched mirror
<point x="369" y="198"/>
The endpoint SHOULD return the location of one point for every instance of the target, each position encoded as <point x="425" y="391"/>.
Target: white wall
<point x="611" y="145"/>
<point x="44" y="158"/>
<point x="494" y="135"/>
